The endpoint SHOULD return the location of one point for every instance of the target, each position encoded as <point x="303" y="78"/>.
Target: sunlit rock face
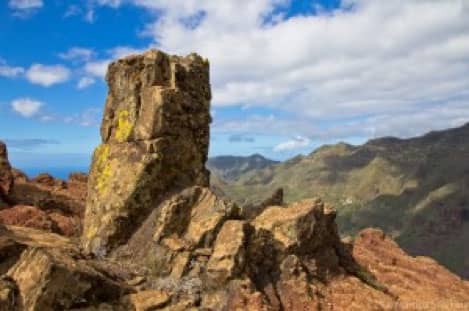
<point x="155" y="137"/>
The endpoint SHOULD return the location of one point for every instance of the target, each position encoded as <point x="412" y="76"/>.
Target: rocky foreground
<point x="155" y="237"/>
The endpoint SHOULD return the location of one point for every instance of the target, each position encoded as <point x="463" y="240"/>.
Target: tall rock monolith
<point x="155" y="138"/>
<point x="6" y="176"/>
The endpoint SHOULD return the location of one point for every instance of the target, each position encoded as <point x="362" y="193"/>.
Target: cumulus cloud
<point x="84" y="82"/>
<point x="26" y="107"/>
<point x="295" y="143"/>
<point x="367" y="60"/>
<point x="47" y="75"/>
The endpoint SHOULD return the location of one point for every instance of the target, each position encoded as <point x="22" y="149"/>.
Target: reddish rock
<point x="47" y="180"/>
<point x="76" y="177"/>
<point x="419" y="282"/>
<point x="33" y="217"/>
<point x="19" y="176"/>
<point x="46" y="203"/>
<point x="51" y="194"/>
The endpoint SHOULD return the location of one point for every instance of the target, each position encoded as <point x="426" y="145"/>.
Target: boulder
<point x="50" y="279"/>
<point x="155" y="136"/>
<point x="182" y="231"/>
<point x="290" y="227"/>
<point x="229" y="254"/>
<point x="149" y="300"/>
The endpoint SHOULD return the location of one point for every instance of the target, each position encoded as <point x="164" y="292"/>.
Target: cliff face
<point x="157" y="238"/>
<point x="155" y="136"/>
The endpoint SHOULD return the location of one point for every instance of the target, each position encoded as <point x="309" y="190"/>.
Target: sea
<point x="57" y="172"/>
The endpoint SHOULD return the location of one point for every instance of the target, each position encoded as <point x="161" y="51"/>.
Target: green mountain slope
<point x="415" y="189"/>
<point x="232" y="167"/>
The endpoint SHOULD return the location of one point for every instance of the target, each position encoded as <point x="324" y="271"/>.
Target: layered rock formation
<point x="155" y="136"/>
<point x="156" y="238"/>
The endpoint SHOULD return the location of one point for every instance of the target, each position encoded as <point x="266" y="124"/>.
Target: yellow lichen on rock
<point x="103" y="168"/>
<point x="124" y="126"/>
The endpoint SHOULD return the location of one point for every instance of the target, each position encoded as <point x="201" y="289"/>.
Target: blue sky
<point x="287" y="76"/>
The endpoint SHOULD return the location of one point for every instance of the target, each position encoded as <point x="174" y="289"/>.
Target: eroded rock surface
<point x="46" y="203"/>
<point x="157" y="238"/>
<point x="155" y="136"/>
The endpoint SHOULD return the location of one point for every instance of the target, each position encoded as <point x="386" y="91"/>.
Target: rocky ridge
<point x="42" y="202"/>
<point x="177" y="246"/>
<point x="414" y="189"/>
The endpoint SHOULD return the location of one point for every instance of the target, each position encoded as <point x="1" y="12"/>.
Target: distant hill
<point x="415" y="189"/>
<point x="232" y="167"/>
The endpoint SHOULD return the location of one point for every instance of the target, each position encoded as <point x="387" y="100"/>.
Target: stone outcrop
<point x="425" y="285"/>
<point x="156" y="238"/>
<point x="46" y="203"/>
<point x="33" y="217"/>
<point x="6" y="176"/>
<point x="155" y="136"/>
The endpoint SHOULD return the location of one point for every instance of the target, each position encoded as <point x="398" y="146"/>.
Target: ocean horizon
<point x="57" y="172"/>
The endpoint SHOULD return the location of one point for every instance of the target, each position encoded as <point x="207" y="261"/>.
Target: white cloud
<point x="85" y="82"/>
<point x="25" y="4"/>
<point x="77" y="54"/>
<point x="26" y="107"/>
<point x="377" y="60"/>
<point x="97" y="68"/>
<point x="9" y="71"/>
<point x="295" y="143"/>
<point x="47" y="75"/>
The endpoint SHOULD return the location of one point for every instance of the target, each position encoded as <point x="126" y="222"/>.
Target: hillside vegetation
<point x="417" y="189"/>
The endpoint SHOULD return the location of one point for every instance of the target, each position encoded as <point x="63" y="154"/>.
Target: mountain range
<point x="416" y="189"/>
